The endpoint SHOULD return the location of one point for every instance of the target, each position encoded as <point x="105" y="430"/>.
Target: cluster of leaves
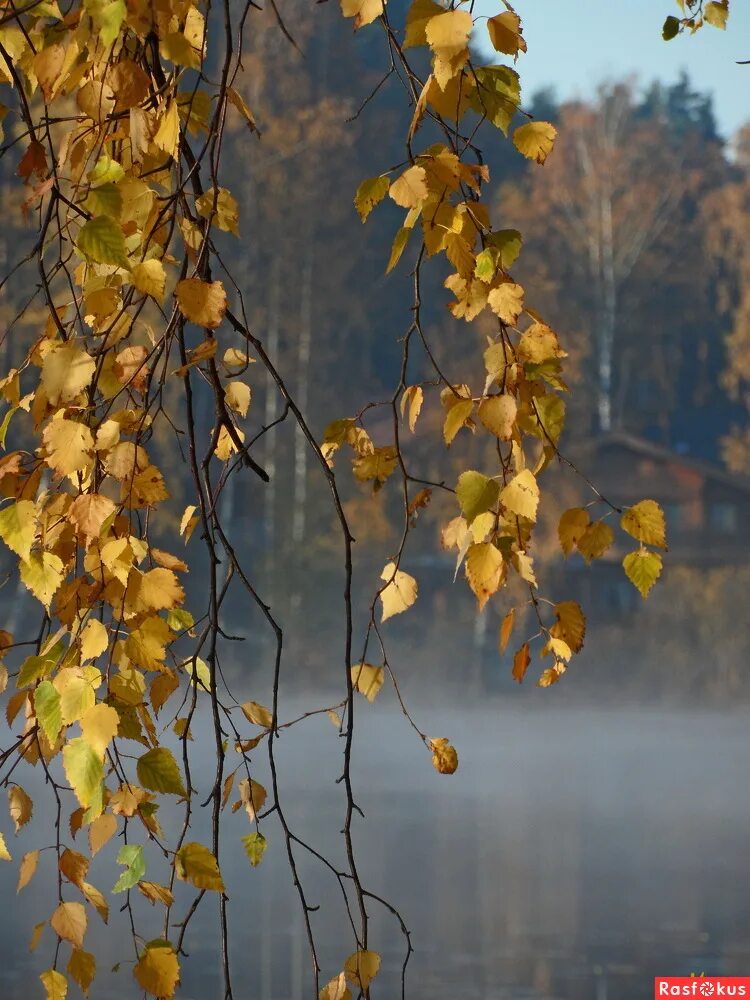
<point x="696" y="13"/>
<point x="111" y="99"/>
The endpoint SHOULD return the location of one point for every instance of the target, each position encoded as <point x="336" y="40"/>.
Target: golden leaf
<point x="535" y="140"/>
<point x="498" y="414"/>
<point x="237" y="396"/>
<point x="410" y="189"/>
<point x="595" y="540"/>
<point x="82" y="968"/>
<point x="69" y="446"/>
<point x="88" y="513"/>
<point x="370" y="193"/>
<point x="20" y="806"/>
<point x="506" y="628"/>
<point x="74" y="866"/>
<point x="66" y="371"/>
<point x="412" y="398"/>
<point x="27" y="869"/>
<point x="485" y="571"/>
<point x="399" y="593"/>
<point x="42" y="574"/>
<point x="54" y="983"/>
<point x="158" y="970"/>
<point x="505" y="33"/>
<point x="506" y="302"/>
<point x="69" y="923"/>
<point x="101" y="831"/>
<point x="368" y="680"/>
<point x="18" y="527"/>
<point x="202" y="302"/>
<point x="194" y="863"/>
<point x="521" y="495"/>
<point x="149" y="278"/>
<point x="645" y="522"/>
<point x="447" y="35"/>
<point x="99" y="725"/>
<point x="573" y="524"/>
<point x="444" y="756"/>
<point x="570" y="625"/>
<point x="336" y="989"/>
<point x="363" y="11"/>
<point x="361" y="968"/>
<point x="259" y="715"/>
<point x="521" y="662"/>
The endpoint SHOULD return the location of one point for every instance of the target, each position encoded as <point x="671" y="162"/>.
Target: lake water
<point x="575" y="854"/>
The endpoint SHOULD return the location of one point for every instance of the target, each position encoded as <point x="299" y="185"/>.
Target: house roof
<point x="641" y="446"/>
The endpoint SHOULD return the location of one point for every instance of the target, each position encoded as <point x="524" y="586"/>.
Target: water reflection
<point x="575" y="855"/>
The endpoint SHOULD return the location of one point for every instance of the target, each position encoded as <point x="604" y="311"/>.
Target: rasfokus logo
<point x="702" y="986"/>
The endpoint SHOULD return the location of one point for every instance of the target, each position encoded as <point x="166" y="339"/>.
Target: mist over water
<point x="576" y="853"/>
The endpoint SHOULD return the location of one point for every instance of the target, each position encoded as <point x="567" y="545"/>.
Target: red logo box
<point x="702" y="986"/>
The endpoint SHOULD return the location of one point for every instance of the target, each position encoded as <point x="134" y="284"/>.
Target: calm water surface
<point x="574" y="855"/>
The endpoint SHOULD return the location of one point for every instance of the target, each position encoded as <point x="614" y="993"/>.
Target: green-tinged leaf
<point x="497" y="95"/>
<point x="643" y="569"/>
<point x="255" y="847"/>
<point x="158" y="771"/>
<point x="132" y="856"/>
<point x="85" y="771"/>
<point x="476" y="494"/>
<point x="48" y="710"/>
<point x="102" y="240"/>
<point x="55" y="985"/>
<point x="18" y="527"/>
<point x="369" y="194"/>
<point x="670" y="29"/>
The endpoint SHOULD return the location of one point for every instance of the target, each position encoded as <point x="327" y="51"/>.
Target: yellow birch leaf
<point x="368" y="680"/>
<point x="97" y="900"/>
<point x="363" y="11"/>
<point x="226" y="215"/>
<point x="69" y="446"/>
<point x="447" y="35"/>
<point x="336" y="989"/>
<point x="20" y="806"/>
<point x="94" y="639"/>
<point x="643" y="569"/>
<point x="505" y="33"/>
<point x="506" y="302"/>
<point x="410" y="189"/>
<point x="167" y="135"/>
<point x="369" y="194"/>
<point x="645" y="522"/>
<point x="252" y="796"/>
<point x="535" y="140"/>
<point x="573" y="524"/>
<point x="158" y="970"/>
<point x="54" y="983"/>
<point x="48" y="65"/>
<point x="361" y="968"/>
<point x="149" y="278"/>
<point x="42" y="574"/>
<point x="69" y="923"/>
<point x="74" y="866"/>
<point x="498" y="415"/>
<point x="82" y="968"/>
<point x="156" y="893"/>
<point x="66" y="371"/>
<point x="99" y="725"/>
<point x="259" y="715"/>
<point x="456" y="418"/>
<point x="412" y="399"/>
<point x="237" y="396"/>
<point x="202" y="302"/>
<point x="570" y="625"/>
<point x="595" y="540"/>
<point x="521" y="662"/>
<point x="18" y="527"/>
<point x="237" y="101"/>
<point x="506" y="628"/>
<point x="195" y="864"/>
<point x="485" y="571"/>
<point x="399" y="593"/>
<point x="716" y="13"/>
<point x="521" y="495"/>
<point x="444" y="756"/>
<point x="27" y="869"/>
<point x="88" y="513"/>
<point x="101" y="830"/>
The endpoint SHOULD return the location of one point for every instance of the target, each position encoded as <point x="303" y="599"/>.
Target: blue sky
<point x="576" y="45"/>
